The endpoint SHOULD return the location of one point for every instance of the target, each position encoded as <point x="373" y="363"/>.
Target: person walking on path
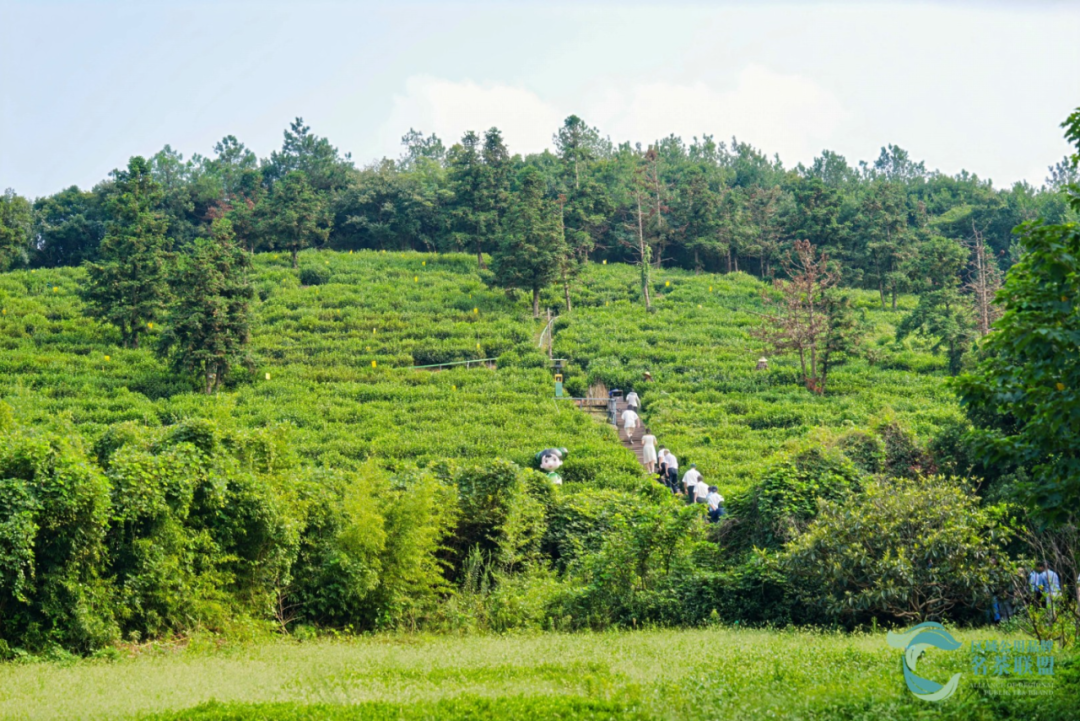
<point x="716" y="504"/>
<point x="630" y="423"/>
<point x="701" y="491"/>
<point x="633" y="401"/>
<point x="648" y="451"/>
<point x="672" y="469"/>
<point x="691" y="479"/>
<point x="662" y="474"/>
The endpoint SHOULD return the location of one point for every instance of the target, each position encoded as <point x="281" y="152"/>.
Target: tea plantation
<point x="333" y="359"/>
<point x="332" y="488"/>
<point x="332" y="365"/>
<point x="706" y="402"/>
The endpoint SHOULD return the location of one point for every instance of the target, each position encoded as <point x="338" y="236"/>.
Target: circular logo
<point x="914" y="642"/>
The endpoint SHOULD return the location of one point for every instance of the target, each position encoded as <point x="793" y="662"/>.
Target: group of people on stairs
<point x="664" y="463"/>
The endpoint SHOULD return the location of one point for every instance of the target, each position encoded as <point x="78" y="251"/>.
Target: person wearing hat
<point x="690" y="479"/>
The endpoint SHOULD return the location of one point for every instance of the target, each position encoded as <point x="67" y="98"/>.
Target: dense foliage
<point x="702" y="205"/>
<point x="914" y="548"/>
<point x="1023" y="393"/>
<point x="330" y="484"/>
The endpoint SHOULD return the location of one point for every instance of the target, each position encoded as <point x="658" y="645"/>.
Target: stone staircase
<point x="601" y="413"/>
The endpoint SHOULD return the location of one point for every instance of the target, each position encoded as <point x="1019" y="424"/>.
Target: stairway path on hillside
<point x="601" y="414"/>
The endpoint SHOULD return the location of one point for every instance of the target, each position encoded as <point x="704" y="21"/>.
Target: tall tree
<point x="807" y="319"/>
<point x="697" y="216"/>
<point x="127" y="285"/>
<point x="882" y="221"/>
<point x="466" y="178"/>
<point x="233" y="165"/>
<point x="651" y="180"/>
<point x="326" y="170"/>
<point x="209" y="323"/>
<point x="495" y="184"/>
<point x="1024" y="393"/>
<point x="68" y="227"/>
<point x="420" y="149"/>
<point x="294" y="216"/>
<point x="985" y="281"/>
<point x="764" y="209"/>
<point x="16" y="223"/>
<point x="527" y="256"/>
<point x="943" y="314"/>
<point x="578" y="145"/>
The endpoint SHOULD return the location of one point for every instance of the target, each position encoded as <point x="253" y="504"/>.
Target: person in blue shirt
<point x="1045" y="584"/>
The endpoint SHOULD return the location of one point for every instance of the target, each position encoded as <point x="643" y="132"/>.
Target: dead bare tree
<point x="801" y="320"/>
<point x="985" y="281"/>
<point x="648" y="218"/>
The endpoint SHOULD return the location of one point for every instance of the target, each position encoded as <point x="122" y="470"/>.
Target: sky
<point x="981" y="86"/>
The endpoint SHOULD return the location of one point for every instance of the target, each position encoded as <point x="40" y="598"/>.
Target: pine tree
<point x="294" y="216"/>
<point x="465" y="172"/>
<point x="943" y="313"/>
<point x="527" y="256"/>
<point x="208" y="325"/>
<point x="127" y="286"/>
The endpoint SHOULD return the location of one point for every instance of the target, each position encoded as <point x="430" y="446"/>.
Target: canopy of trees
<point x="704" y="205"/>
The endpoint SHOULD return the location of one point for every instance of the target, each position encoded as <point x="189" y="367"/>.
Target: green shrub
<point x="54" y="514"/>
<point x="314" y="275"/>
<point x="786" y="498"/>
<point x="906" y="549"/>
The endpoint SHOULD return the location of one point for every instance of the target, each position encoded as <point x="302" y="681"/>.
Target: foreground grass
<point x="695" y="674"/>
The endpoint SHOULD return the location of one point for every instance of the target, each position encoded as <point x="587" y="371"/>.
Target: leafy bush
<point x="786" y="498"/>
<point x="314" y="275"/>
<point x="54" y="514"/>
<point x="907" y="549"/>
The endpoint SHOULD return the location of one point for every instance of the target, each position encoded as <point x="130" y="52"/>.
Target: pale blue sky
<point x="975" y="85"/>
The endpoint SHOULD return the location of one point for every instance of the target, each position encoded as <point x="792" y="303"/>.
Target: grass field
<point x="693" y="674"/>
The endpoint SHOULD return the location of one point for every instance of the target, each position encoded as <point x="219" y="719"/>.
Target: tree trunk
<point x="295" y="262"/>
<point x="643" y="252"/>
<point x="566" y="289"/>
<point x="536" y="302"/>
<point x="480" y="258"/>
<point x="894" y="297"/>
<point x="881" y="292"/>
<point x="813" y="335"/>
<point x="729" y="259"/>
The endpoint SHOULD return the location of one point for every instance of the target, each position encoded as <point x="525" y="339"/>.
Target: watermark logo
<point x="914" y="642"/>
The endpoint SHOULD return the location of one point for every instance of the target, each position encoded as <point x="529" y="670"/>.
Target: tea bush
<point x="334" y="485"/>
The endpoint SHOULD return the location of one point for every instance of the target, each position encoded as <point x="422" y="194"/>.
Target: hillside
<point x="333" y="368"/>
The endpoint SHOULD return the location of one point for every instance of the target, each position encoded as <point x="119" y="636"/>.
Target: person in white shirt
<point x="672" y="469"/>
<point x="630" y="423"/>
<point x="716" y="504"/>
<point x="701" y="491"/>
<point x="690" y="479"/>
<point x="648" y="451"/>
<point x="633" y="401"/>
